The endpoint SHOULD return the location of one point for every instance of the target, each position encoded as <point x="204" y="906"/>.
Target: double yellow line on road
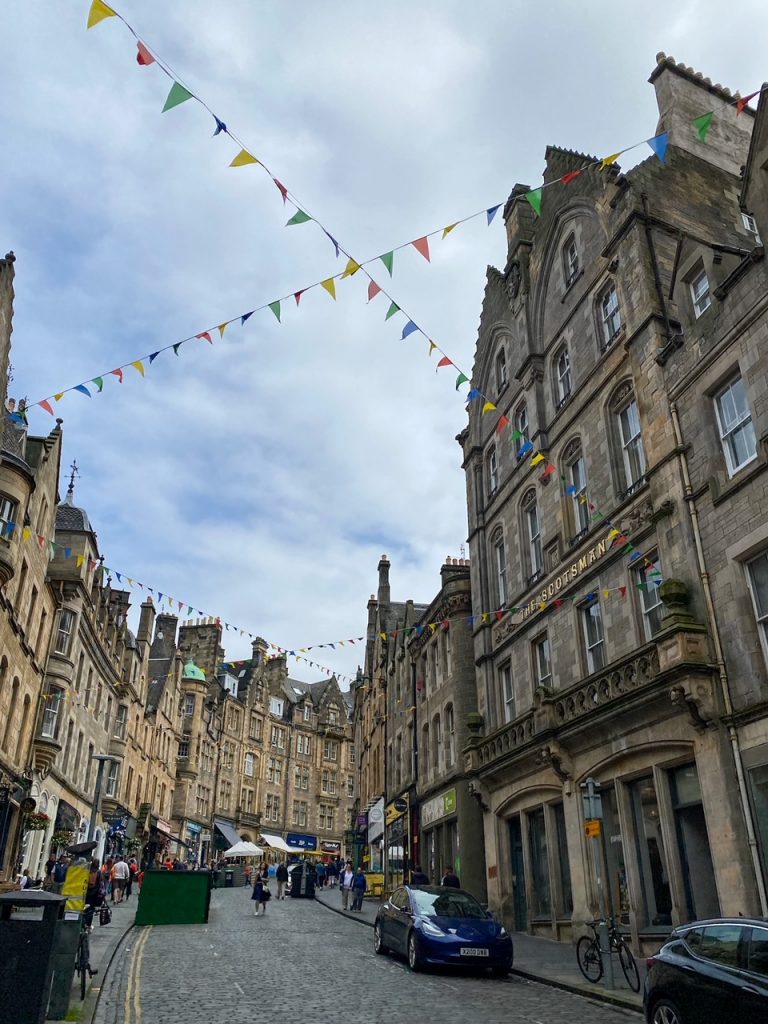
<point x="132" y="1008"/>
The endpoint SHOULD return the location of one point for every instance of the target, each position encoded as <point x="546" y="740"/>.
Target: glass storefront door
<point x="651" y="856"/>
<point x="518" y="873"/>
<point x="615" y="867"/>
<point x="693" y="842"/>
<point x="537" y="840"/>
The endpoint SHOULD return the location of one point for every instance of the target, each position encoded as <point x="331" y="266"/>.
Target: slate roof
<point x="73" y="519"/>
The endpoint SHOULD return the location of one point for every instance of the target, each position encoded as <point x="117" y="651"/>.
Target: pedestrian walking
<point x="418" y="877"/>
<point x="59" y="873"/>
<point x="261" y="894"/>
<point x="248" y="869"/>
<point x="359" y="886"/>
<point x="450" y="878"/>
<point x="282" y="877"/>
<point x="320" y="872"/>
<point x="332" y="874"/>
<point x="346" y="881"/>
<point x="120" y="875"/>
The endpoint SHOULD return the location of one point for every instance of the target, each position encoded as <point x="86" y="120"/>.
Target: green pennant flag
<point x="99" y="382"/>
<point x="461" y="379"/>
<point x="388" y="259"/>
<point x="534" y="198"/>
<point x="516" y="435"/>
<point x="702" y="125"/>
<point x="298" y="218"/>
<point x="176" y="347"/>
<point x="394" y="308"/>
<point x="177" y="95"/>
<point x="275" y="307"/>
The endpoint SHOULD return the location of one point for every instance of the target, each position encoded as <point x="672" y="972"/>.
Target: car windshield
<point x="450" y="903"/>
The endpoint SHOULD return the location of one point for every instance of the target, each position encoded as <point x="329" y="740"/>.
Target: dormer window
<point x="570" y="261"/>
<point x="700" y="294"/>
<point x="501" y="371"/>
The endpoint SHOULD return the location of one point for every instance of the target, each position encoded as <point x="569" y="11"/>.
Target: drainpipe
<point x="722" y="671"/>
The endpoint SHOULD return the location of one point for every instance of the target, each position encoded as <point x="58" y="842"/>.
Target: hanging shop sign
<point x="301" y="840"/>
<point x="396" y="809"/>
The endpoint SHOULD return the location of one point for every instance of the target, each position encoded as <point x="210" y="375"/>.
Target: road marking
<point x="239" y="989"/>
<point x="133" y="986"/>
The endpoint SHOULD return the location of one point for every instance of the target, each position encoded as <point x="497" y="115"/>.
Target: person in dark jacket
<point x="418" y="877"/>
<point x="359" y="886"/>
<point x="282" y="877"/>
<point x="261" y="894"/>
<point x="451" y="878"/>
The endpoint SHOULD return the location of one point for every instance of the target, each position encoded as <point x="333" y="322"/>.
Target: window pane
<point x="758" y="951"/>
<point x="758" y="572"/>
<point x="652" y="860"/>
<point x="537" y="835"/>
<point x="720" y="943"/>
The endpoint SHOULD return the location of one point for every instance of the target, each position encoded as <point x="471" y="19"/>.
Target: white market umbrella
<point x="244" y="849"/>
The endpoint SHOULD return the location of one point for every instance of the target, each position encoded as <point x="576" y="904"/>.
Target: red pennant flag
<point x="45" y="404"/>
<point x="373" y="290"/>
<point x="205" y="336"/>
<point x="549" y="470"/>
<point x="499" y="615"/>
<point x="445" y="361"/>
<point x="741" y="103"/>
<point x="569" y="177"/>
<point x="422" y="245"/>
<point x="297" y="295"/>
<point x="558" y="602"/>
<point x="283" y="189"/>
<point x="144" y="57"/>
<point x="118" y="373"/>
<point x="503" y="422"/>
<point x="623" y="591"/>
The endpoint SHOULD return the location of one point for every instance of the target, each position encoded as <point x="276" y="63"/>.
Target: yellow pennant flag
<point x="243" y="158"/>
<point x="330" y="287"/>
<point x="537" y="458"/>
<point x="449" y="229"/>
<point x="137" y="363"/>
<point x="59" y="396"/>
<point x="489" y="407"/>
<point x="80" y="560"/>
<point x="606" y="593"/>
<point x="98" y="12"/>
<point x="351" y="268"/>
<point x="221" y="328"/>
<point x="432" y="347"/>
<point x="613" y="533"/>
<point x="485" y="616"/>
<point x="26" y="533"/>
<point x="607" y="161"/>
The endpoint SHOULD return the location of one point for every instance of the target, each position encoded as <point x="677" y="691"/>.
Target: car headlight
<point x="431" y="929"/>
<point x="502" y="932"/>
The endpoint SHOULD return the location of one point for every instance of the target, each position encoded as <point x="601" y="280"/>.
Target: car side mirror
<point x="489" y="915"/>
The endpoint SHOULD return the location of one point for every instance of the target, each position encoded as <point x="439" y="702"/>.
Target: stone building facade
<point x="618" y="612"/>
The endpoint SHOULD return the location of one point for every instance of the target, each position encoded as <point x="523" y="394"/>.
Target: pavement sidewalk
<point x="104" y="943"/>
<point x="543" y="960"/>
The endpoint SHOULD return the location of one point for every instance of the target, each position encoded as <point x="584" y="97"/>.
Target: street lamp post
<point x="102" y="759"/>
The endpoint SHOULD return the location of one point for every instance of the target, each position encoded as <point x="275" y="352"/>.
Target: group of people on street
<point x="352" y="884"/>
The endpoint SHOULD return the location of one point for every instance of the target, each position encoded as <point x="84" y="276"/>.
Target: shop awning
<point x="277" y="843"/>
<point x="227" y="830"/>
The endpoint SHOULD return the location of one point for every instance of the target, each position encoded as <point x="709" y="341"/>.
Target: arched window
<point x="563" y="380"/>
<point x="450" y="737"/>
<point x="492" y="471"/>
<point x="570" y="260"/>
<point x="609" y="316"/>
<point x="502" y="378"/>
<point x="628" y="442"/>
<point x="499" y="557"/>
<point x="576" y="487"/>
<point x="436" y="742"/>
<point x="11" y="714"/>
<point x="532" y="535"/>
<point x="522" y="429"/>
<point x="23" y="729"/>
<point x="424" y="752"/>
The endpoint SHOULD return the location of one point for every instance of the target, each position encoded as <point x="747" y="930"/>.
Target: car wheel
<point x="500" y="972"/>
<point x="414" y="958"/>
<point x="665" y="1012"/>
<point x="378" y="943"/>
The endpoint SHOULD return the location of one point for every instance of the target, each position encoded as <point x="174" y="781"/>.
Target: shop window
<point x="537" y="840"/>
<point x="616" y="871"/>
<point x="651" y="855"/>
<point x="758" y="784"/>
<point x="563" y="865"/>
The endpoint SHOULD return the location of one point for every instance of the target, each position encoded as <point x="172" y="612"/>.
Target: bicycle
<point x="83" y="956"/>
<point x="589" y="954"/>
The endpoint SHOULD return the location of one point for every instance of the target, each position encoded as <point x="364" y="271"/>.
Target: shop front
<point x="373" y="857"/>
<point x="451" y="836"/>
<point x="397" y="842"/>
<point x="302" y="841"/>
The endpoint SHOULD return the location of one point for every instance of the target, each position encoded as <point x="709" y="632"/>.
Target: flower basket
<point x="37" y="822"/>
<point x="61" y="838"/>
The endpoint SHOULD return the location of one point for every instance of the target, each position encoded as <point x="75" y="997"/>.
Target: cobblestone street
<point x="302" y="961"/>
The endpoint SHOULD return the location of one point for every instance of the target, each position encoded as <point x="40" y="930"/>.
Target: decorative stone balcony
<point x="602" y="689"/>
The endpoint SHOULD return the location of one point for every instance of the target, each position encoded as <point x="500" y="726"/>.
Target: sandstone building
<point x="625" y="340"/>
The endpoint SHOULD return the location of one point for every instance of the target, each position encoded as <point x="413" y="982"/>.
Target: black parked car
<point x="713" y="971"/>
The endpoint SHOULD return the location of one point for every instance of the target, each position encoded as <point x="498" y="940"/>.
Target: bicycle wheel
<point x="589" y="959"/>
<point x="628" y="965"/>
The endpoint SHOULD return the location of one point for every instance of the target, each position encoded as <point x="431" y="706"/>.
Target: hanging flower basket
<point x="37" y="822"/>
<point x="61" y="838"/>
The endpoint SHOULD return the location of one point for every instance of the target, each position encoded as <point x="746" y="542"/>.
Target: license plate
<point x="471" y="951"/>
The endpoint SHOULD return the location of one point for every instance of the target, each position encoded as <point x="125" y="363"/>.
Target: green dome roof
<point x="191" y="671"/>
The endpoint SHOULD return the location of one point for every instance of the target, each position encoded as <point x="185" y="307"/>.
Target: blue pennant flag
<point x="635" y="555"/>
<point x="659" y="145"/>
<point x="527" y="447"/>
<point x="409" y="328"/>
<point x="473" y="394"/>
<point x="335" y="243"/>
<point x="490" y="214"/>
<point x="82" y="389"/>
<point x="570" y="490"/>
<point x="245" y="316"/>
<point x="220" y="126"/>
<point x="153" y="357"/>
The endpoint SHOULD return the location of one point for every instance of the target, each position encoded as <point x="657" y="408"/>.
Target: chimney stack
<point x="383" y="595"/>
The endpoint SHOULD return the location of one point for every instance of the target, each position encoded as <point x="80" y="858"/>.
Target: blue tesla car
<point x="439" y="925"/>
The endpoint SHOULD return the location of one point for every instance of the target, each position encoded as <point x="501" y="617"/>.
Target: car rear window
<point x="450" y="903"/>
<point x="720" y="943"/>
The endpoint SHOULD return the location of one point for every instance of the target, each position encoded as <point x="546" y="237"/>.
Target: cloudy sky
<point x="261" y="479"/>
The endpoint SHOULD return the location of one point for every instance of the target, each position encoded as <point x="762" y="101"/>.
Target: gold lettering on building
<point x="567" y="576"/>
